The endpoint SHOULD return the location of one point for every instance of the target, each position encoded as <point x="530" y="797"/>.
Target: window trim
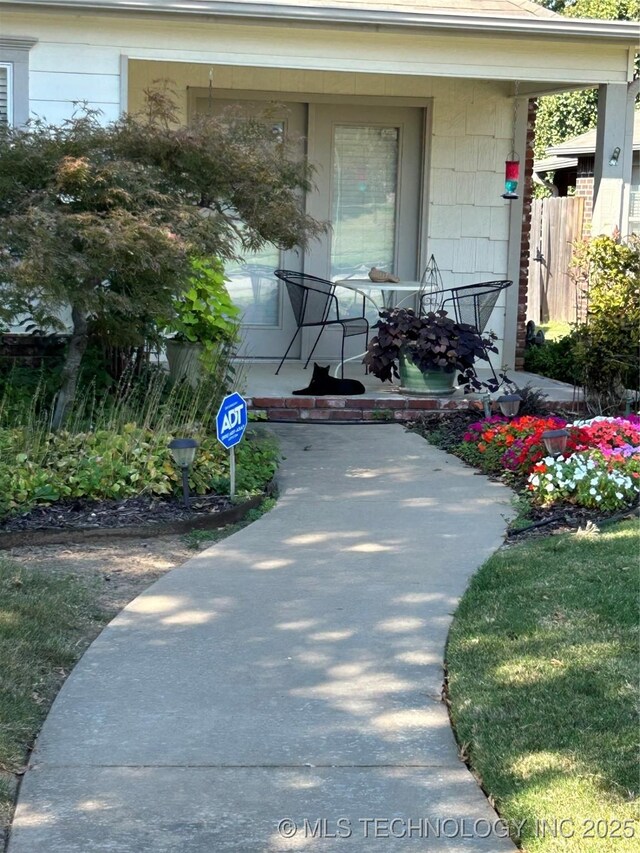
<point x="14" y="54"/>
<point x="9" y="67"/>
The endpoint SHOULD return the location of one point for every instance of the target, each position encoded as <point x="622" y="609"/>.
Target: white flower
<point x="592" y="491"/>
<point x="549" y="487"/>
<point x="534" y="480"/>
<point x="549" y="476"/>
<point x="619" y="495"/>
<point x="598" y="497"/>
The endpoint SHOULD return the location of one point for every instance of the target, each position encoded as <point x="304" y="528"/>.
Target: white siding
<point x="55" y="112"/>
<point x="66" y="86"/>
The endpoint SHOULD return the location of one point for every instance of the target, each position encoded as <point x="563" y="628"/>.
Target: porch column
<point x="612" y="179"/>
<point x="516" y="300"/>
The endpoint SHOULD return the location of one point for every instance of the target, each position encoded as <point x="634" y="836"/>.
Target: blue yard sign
<point x="231" y="422"/>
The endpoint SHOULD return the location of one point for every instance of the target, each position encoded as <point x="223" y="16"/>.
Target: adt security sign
<point x="231" y="420"/>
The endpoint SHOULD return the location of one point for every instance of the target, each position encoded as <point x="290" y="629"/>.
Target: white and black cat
<point x="324" y="385"/>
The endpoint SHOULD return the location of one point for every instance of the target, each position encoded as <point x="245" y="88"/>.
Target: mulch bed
<point x="147" y="510"/>
<point x="145" y="517"/>
<point x="566" y="518"/>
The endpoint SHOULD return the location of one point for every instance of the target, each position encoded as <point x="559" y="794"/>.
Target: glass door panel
<point x="254" y="289"/>
<point x="369" y="168"/>
<point x="364" y="195"/>
<point x="267" y="319"/>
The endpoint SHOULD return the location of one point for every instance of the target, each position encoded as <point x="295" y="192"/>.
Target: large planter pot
<point x="432" y="383"/>
<point x="184" y="361"/>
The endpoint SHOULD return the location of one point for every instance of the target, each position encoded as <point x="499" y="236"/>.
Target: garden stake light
<point x="555" y="441"/>
<point x="509" y="404"/>
<point x="183" y="451"/>
<point x="486" y="405"/>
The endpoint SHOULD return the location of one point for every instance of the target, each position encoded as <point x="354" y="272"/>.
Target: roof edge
<point x="559" y="26"/>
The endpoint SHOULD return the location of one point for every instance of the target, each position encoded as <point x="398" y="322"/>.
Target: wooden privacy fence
<point x="556" y="224"/>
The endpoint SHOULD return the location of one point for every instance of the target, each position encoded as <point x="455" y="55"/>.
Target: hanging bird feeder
<point x="511" y="176"/>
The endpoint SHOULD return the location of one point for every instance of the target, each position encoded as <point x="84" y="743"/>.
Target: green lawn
<point x="555" y="329"/>
<point x="543" y="680"/>
<point x="46" y="623"/>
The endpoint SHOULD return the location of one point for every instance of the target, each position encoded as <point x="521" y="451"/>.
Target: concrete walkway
<point x="292" y="672"/>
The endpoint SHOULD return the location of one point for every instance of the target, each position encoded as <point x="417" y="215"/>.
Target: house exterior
<point x="572" y="164"/>
<point x="409" y="109"/>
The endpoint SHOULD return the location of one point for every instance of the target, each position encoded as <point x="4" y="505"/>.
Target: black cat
<point x="324" y="385"/>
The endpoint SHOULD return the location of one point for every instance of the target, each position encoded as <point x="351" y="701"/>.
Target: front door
<point x="368" y="179"/>
<point x="369" y="162"/>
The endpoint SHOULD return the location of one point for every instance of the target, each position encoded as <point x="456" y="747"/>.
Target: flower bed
<point x="600" y="467"/>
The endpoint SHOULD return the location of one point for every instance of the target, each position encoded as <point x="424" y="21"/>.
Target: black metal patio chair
<point x="473" y="304"/>
<point x="315" y="304"/>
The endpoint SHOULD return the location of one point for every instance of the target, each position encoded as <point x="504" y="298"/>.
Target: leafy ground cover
<point x="105" y="465"/>
<point x="542" y="680"/>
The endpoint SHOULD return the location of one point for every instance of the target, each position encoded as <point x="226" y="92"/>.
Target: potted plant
<point x="427" y="353"/>
<point x="204" y="326"/>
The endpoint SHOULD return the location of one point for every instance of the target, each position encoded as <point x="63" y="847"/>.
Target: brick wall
<point x="527" y="190"/>
<point x="584" y="189"/>
<point x="356" y="409"/>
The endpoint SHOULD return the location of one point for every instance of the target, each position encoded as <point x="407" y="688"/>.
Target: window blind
<point x="4" y="94"/>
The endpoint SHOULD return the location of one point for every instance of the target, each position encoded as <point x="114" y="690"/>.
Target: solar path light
<point x="183" y="451"/>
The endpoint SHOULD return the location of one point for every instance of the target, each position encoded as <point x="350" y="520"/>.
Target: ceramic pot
<point x="432" y="383"/>
<point x="184" y="361"/>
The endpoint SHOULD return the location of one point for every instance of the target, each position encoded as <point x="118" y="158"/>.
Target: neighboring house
<point x="572" y="164"/>
<point x="409" y="108"/>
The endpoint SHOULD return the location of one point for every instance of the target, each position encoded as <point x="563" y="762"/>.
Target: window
<point x="14" y="79"/>
<point x="6" y="93"/>
<point x="634" y="210"/>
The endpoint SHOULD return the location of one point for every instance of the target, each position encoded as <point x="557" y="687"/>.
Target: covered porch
<point x="409" y="128"/>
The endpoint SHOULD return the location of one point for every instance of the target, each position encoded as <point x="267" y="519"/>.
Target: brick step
<point x="367" y="409"/>
<point x="354" y="409"/>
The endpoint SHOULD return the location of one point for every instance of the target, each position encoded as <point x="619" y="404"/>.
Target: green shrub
<point x="555" y="359"/>
<point x="607" y="346"/>
<point x="106" y="464"/>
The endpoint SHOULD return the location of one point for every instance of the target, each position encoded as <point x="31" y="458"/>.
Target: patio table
<point x="387" y="289"/>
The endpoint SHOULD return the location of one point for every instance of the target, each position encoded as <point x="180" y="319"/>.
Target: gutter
<point x="627" y="31"/>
